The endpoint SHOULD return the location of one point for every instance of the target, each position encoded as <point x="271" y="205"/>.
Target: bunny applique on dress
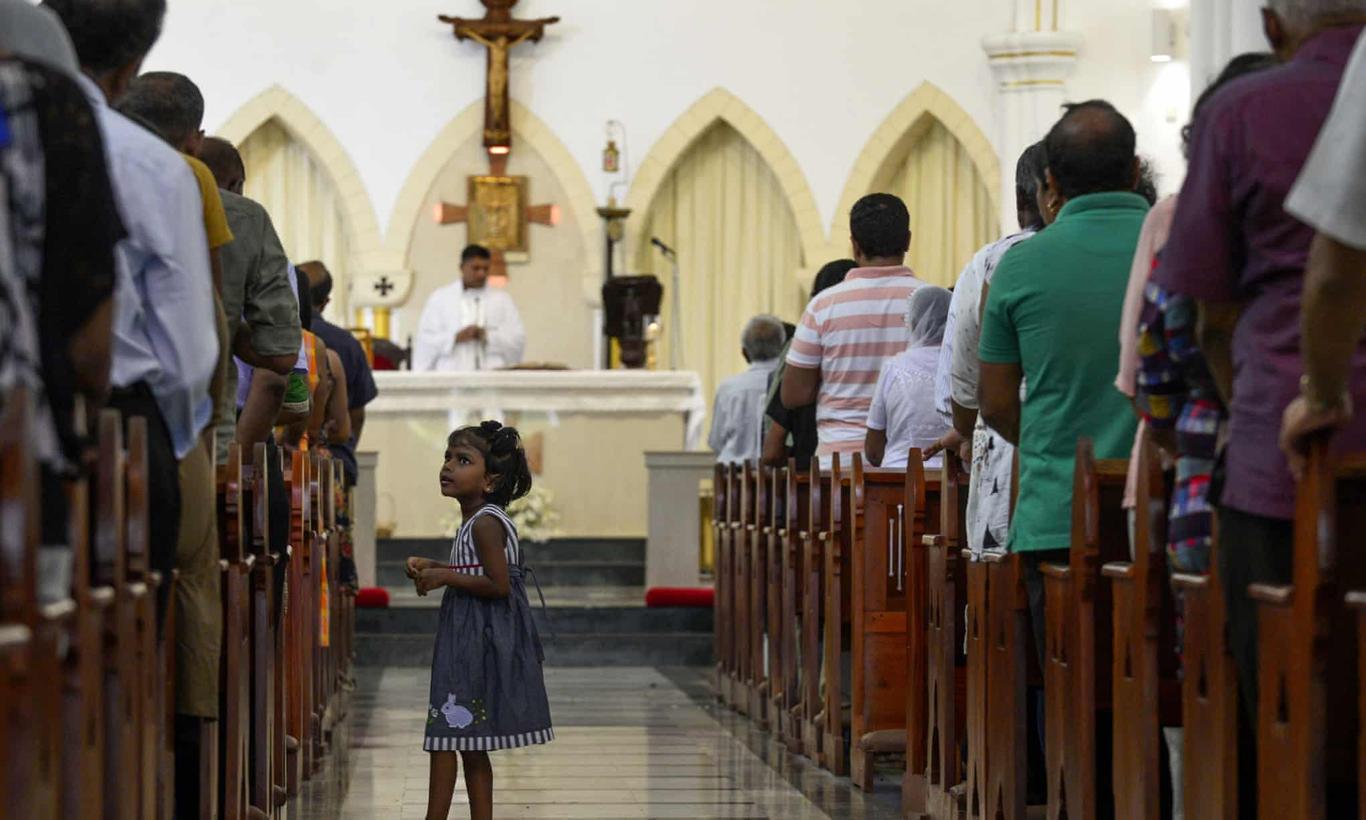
<point x="487" y="689"/>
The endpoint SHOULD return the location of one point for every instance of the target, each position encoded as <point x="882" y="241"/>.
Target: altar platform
<point x="588" y="429"/>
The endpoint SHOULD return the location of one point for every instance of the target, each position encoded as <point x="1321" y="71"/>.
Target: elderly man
<point x="1236" y="250"/>
<point x="738" y="412"/>
<point x="847" y="331"/>
<point x="1049" y="318"/>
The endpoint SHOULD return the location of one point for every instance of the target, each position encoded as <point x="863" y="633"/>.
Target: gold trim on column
<point x="1015" y="55"/>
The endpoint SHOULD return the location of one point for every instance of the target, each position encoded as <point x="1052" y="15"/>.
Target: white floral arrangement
<point x="534" y="514"/>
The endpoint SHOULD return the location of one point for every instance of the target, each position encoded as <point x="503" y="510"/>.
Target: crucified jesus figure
<point x="498" y="31"/>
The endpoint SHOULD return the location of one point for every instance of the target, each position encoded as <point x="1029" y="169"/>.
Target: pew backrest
<point x="110" y="533"/>
<point x="19" y="516"/>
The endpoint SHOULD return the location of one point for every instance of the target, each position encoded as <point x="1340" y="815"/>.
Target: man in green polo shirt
<point x="1050" y="320"/>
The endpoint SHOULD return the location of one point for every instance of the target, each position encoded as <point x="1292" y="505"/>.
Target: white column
<point x="671" y="550"/>
<point x="1219" y="31"/>
<point x="363" y="517"/>
<point x="1031" y="65"/>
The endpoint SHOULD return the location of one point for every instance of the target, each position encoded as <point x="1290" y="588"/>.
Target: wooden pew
<point x="940" y="573"/>
<point x="1145" y="683"/>
<point x="264" y="735"/>
<point x="32" y="726"/>
<point x="82" y="673"/>
<point x="894" y="515"/>
<point x="120" y="674"/>
<point x="299" y="625"/>
<point x="235" y="663"/>
<point x="1356" y="600"/>
<point x="796" y="515"/>
<point x="18" y="756"/>
<point x="720" y="494"/>
<point x="1078" y="611"/>
<point x="759" y="529"/>
<point x="1307" y="721"/>
<point x="742" y="545"/>
<point x="155" y="653"/>
<point x="778" y="630"/>
<point x="843" y="539"/>
<point x="317" y="567"/>
<point x="822" y="521"/>
<point x="1209" y="696"/>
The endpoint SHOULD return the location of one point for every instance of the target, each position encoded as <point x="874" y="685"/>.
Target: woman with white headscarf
<point x="903" y="414"/>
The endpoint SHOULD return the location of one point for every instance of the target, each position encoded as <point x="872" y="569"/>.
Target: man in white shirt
<point x="738" y="411"/>
<point x="467" y="325"/>
<point x="165" y="344"/>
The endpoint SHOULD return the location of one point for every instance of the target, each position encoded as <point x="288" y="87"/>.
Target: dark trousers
<point x="1252" y="550"/>
<point x="163" y="482"/>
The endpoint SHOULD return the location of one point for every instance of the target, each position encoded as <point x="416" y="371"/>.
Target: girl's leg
<point x="479" y="784"/>
<point x="441" y="786"/>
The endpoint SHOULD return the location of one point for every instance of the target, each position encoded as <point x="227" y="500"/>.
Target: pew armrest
<point x="934" y="541"/>
<point x="101" y="597"/>
<point x="1055" y="570"/>
<point x="58" y="611"/>
<point x="994" y="557"/>
<point x="14" y="637"/>
<point x="1274" y="594"/>
<point x="1118" y="569"/>
<point x="803" y="534"/>
<point x="1356" y="599"/>
<point x="883" y="742"/>
<point x="1187" y="580"/>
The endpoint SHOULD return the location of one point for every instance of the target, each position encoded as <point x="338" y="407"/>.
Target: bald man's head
<point x="1091" y="150"/>
<point x="319" y="283"/>
<point x="226" y="164"/>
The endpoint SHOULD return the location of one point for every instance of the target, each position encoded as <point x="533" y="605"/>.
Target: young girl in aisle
<point x="487" y="690"/>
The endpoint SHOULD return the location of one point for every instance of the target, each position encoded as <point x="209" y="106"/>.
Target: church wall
<point x="823" y="75"/>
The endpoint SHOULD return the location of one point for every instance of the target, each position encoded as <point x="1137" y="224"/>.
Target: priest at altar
<point x="467" y="325"/>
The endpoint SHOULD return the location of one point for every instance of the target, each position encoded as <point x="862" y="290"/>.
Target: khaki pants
<point x="199" y="617"/>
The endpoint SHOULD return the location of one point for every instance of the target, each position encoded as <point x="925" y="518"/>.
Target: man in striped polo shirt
<point x="848" y="330"/>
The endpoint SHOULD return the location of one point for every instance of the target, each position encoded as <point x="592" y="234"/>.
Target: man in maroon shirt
<point x="1236" y="251"/>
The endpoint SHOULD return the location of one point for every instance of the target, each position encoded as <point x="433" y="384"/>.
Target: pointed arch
<point x="526" y="128"/>
<point x="276" y="103"/>
<point x="721" y="105"/>
<point x="900" y="129"/>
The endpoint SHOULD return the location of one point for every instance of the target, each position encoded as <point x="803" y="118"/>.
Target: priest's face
<point x="474" y="272"/>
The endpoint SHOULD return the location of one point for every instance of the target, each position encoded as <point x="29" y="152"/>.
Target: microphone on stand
<point x="658" y="243"/>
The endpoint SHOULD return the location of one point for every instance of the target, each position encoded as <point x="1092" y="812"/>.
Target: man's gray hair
<point x="764" y="338"/>
<point x="1308" y="12"/>
<point x="169" y="101"/>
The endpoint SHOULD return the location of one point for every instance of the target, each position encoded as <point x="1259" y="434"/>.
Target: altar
<point x="589" y="430"/>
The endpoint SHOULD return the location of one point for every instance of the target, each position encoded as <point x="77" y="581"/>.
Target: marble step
<point x="550" y="573"/>
<point x="563" y="620"/>
<point x="601" y="649"/>
<point x="557" y="549"/>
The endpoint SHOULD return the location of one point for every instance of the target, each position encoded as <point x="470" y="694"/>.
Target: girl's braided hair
<point x="504" y="457"/>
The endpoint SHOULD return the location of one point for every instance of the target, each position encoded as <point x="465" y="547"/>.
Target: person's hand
<point x="430" y="578"/>
<point x="472" y="333"/>
<point x="950" y="440"/>
<point x="1301" y="421"/>
<point x="965" y="454"/>
<point x="414" y="565"/>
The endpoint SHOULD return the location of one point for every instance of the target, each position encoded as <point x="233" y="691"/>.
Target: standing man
<point x="1236" y="250"/>
<point x="738" y="411"/>
<point x="847" y="331"/>
<point x="360" y="382"/>
<point x="467" y="325"/>
<point x="1050" y="319"/>
<point x="165" y="347"/>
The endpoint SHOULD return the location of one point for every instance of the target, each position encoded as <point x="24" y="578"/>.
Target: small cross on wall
<point x="383" y="286"/>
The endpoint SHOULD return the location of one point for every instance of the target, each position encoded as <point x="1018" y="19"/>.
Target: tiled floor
<point x="632" y="743"/>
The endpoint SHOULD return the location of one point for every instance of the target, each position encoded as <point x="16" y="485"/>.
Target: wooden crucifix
<point x="498" y="31"/>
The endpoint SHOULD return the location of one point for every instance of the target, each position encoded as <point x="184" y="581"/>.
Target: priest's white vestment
<point x="452" y="308"/>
